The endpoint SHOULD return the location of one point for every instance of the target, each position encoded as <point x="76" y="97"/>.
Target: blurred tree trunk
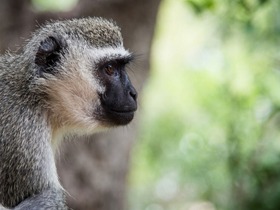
<point x="92" y="169"/>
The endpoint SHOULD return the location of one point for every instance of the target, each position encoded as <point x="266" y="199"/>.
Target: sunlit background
<point x="209" y="134"/>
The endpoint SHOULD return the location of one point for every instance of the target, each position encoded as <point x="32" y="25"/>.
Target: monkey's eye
<point x="109" y="69"/>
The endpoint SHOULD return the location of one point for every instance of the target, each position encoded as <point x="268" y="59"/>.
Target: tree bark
<point x="93" y="169"/>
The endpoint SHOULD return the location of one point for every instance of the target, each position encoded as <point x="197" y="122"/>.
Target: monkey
<point x="69" y="78"/>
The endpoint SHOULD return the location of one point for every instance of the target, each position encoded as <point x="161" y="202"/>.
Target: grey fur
<point x="28" y="178"/>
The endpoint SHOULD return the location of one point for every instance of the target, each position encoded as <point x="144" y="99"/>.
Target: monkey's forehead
<point x="97" y="32"/>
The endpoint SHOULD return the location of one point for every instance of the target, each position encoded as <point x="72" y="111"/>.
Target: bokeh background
<point x="206" y="136"/>
<point x="209" y="134"/>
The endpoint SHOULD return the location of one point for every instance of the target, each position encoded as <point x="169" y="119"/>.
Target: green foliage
<point x="252" y="16"/>
<point x="54" y="5"/>
<point x="242" y="10"/>
<point x="200" y="5"/>
<point x="210" y="131"/>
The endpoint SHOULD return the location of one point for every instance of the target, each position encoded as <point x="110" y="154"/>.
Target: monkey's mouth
<point x="118" y="117"/>
<point x="122" y="114"/>
<point x="129" y="111"/>
<point x="115" y="113"/>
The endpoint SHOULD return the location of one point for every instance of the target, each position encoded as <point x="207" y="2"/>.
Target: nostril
<point x="133" y="94"/>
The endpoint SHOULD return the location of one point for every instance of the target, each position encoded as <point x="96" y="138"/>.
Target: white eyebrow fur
<point x="100" y="53"/>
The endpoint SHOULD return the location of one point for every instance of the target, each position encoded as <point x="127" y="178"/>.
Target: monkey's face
<point x="86" y="88"/>
<point x="118" y="98"/>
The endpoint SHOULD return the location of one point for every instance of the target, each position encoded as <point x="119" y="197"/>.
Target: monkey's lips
<point x="123" y="113"/>
<point x="115" y="113"/>
<point x="129" y="111"/>
<point x="120" y="117"/>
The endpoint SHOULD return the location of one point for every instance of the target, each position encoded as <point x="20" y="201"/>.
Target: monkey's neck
<point x="27" y="161"/>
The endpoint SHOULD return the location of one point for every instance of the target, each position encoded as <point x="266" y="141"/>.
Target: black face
<point x="119" y="101"/>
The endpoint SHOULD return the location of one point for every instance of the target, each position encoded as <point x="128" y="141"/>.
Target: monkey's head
<point x="79" y="67"/>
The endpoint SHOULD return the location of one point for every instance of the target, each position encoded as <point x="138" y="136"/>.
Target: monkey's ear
<point x="49" y="54"/>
